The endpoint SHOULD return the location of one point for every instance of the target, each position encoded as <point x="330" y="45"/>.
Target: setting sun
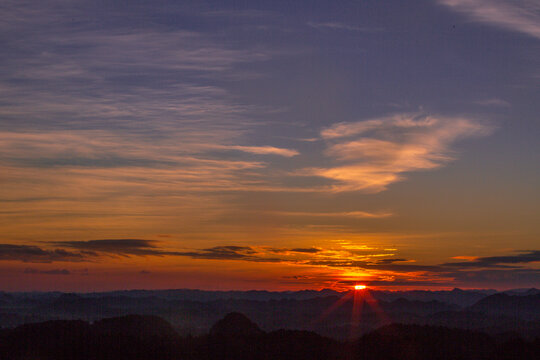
<point x="359" y="287"/>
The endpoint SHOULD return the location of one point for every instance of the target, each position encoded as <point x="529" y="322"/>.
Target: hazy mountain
<point x="327" y="312"/>
<point x="522" y="306"/>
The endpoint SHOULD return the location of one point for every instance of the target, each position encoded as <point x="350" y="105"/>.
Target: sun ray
<point x="334" y="307"/>
<point x="358" y="302"/>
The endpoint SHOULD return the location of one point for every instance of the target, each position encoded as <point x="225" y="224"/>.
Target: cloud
<point x="373" y="265"/>
<point x="30" y="253"/>
<point x="493" y="102"/>
<point x="137" y="247"/>
<point x="477" y="271"/>
<point x="525" y="257"/>
<point x="521" y="16"/>
<point x="47" y="272"/>
<point x="230" y="252"/>
<point x="91" y="250"/>
<point x="117" y="114"/>
<point x="378" y="152"/>
<point x="343" y="26"/>
<point x="108" y="244"/>
<point x="243" y="13"/>
<point x="377" y="267"/>
<point x="346" y="214"/>
<point x="310" y="250"/>
<point x="507" y="277"/>
<point x="392" y="282"/>
<point x="390" y="261"/>
<point x="306" y="250"/>
<point x="259" y="150"/>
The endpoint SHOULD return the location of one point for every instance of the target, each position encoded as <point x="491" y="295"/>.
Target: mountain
<point x="414" y="342"/>
<point x="137" y="326"/>
<point x="235" y="324"/>
<point x="522" y="292"/>
<point x="130" y="337"/>
<point x="524" y="306"/>
<point x="459" y="297"/>
<point x="236" y="337"/>
<point x="324" y="312"/>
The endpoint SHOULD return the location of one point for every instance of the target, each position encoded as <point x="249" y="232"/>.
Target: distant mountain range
<point x="325" y="312"/>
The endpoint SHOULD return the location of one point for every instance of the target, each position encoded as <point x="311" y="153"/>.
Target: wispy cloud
<point x="311" y="250"/>
<point x="259" y="150"/>
<point x="344" y="214"/>
<point x="47" y="272"/>
<point x="343" y="26"/>
<point x="229" y="252"/>
<point x="138" y="247"/>
<point x="31" y="253"/>
<point x="378" y="152"/>
<point x="525" y="257"/>
<point x="493" y="102"/>
<point x="522" y="16"/>
<point x="96" y="111"/>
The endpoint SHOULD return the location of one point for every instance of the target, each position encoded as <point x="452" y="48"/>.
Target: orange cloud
<point x="379" y="152"/>
<point x="351" y="214"/>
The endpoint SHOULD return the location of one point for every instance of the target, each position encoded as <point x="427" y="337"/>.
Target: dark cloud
<point x="475" y="272"/>
<point x="515" y="277"/>
<point x="389" y="261"/>
<point x="298" y="277"/>
<point x="499" y="261"/>
<point x="31" y="253"/>
<point x="245" y="253"/>
<point x="47" y="272"/>
<point x="394" y="282"/>
<point x="494" y="269"/>
<point x="311" y="250"/>
<point x="106" y="245"/>
<point x="141" y="247"/>
<point x="123" y="247"/>
<point x="81" y="250"/>
<point x="385" y="266"/>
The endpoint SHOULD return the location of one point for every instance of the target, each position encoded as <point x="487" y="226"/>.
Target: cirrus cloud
<point x="378" y="152"/>
<point x="521" y="16"/>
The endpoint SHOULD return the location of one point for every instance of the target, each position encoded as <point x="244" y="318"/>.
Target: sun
<point x="360" y="287"/>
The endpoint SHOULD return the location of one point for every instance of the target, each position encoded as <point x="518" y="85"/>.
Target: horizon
<point x="340" y="291"/>
<point x="269" y="145"/>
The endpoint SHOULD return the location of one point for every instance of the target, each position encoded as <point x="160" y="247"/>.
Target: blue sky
<point x="409" y="126"/>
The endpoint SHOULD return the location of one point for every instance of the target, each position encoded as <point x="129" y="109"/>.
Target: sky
<point x="270" y="145"/>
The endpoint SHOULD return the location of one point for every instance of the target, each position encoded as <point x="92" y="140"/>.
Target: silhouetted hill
<point x="522" y="292"/>
<point x="236" y="337"/>
<point x="414" y="342"/>
<point x="235" y="324"/>
<point x="130" y="337"/>
<point x="138" y="326"/>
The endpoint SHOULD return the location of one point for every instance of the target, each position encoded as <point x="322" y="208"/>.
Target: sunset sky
<point x="275" y="145"/>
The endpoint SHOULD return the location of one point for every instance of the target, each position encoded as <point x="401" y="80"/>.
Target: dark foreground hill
<point x="137" y="337"/>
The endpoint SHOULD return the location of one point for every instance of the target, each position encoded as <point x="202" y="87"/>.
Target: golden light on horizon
<point x="360" y="287"/>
